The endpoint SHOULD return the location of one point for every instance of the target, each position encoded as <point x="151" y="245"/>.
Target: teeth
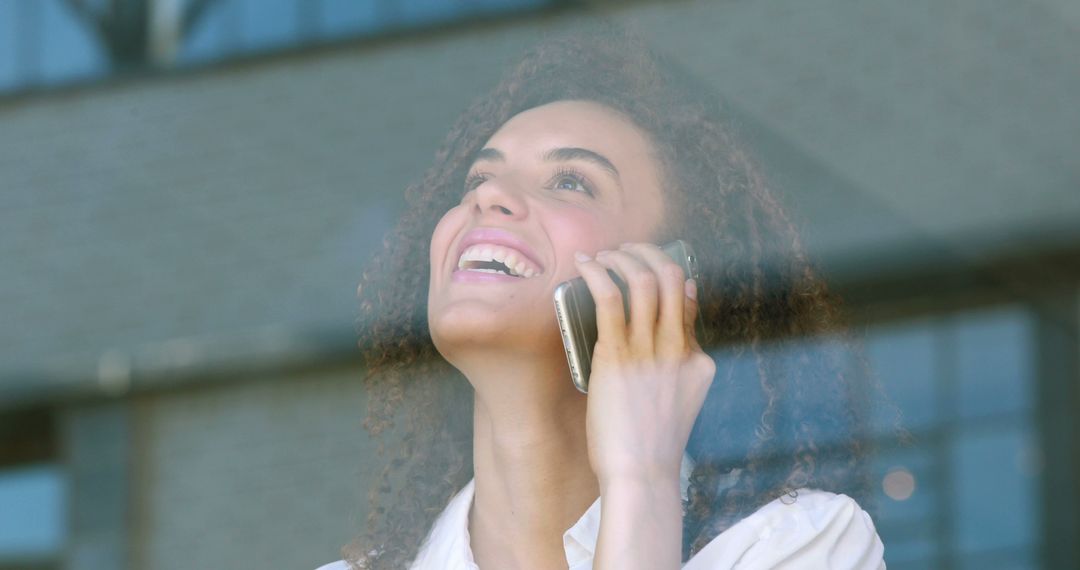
<point x="516" y="264"/>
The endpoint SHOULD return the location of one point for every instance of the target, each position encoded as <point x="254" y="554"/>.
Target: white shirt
<point x="817" y="530"/>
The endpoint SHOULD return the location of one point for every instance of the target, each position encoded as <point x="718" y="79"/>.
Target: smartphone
<point x="576" y="312"/>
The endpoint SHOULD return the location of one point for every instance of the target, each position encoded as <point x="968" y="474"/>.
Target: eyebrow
<point x="558" y="155"/>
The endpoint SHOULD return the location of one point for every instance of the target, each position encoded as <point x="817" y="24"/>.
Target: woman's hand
<point x="649" y="379"/>
<point x="649" y="375"/>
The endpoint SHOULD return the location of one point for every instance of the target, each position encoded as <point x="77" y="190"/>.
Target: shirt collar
<point x="448" y="544"/>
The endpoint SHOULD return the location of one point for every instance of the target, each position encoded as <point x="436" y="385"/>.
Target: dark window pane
<point x="411" y="12"/>
<point x="1013" y="559"/>
<point x="70" y="50"/>
<point x="32" y="520"/>
<point x="903" y="357"/>
<point x="921" y="501"/>
<point x="214" y="36"/>
<point x="994" y="362"/>
<point x="9" y="48"/>
<point x="347" y="17"/>
<point x="268" y="23"/>
<point x="994" y="488"/>
<point x="907" y="497"/>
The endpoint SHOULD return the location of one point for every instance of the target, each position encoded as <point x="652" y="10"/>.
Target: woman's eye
<point x="474" y="180"/>
<point x="572" y="181"/>
<point x="568" y="180"/>
<point x="567" y="183"/>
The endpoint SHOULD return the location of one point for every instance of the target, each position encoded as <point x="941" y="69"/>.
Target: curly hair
<point x="785" y="409"/>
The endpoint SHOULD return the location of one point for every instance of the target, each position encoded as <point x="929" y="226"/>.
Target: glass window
<point x="9" y="46"/>
<point x="216" y="34"/>
<point x="994" y="363"/>
<point x="339" y="18"/>
<point x="33" y="518"/>
<point x="994" y="487"/>
<point x="966" y="489"/>
<point x="904" y="358"/>
<point x="268" y="24"/>
<point x="56" y="44"/>
<point x="69" y="49"/>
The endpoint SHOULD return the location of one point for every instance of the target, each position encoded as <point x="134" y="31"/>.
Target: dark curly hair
<point x="784" y="411"/>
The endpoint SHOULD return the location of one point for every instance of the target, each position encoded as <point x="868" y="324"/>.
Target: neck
<point x="533" y="478"/>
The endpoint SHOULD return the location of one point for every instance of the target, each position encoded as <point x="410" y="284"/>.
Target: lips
<point x="498" y="237"/>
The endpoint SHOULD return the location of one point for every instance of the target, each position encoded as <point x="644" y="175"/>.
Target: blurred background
<point x="189" y="189"/>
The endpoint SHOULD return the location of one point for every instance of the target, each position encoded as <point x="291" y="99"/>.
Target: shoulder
<point x="811" y="529"/>
<point x="339" y="565"/>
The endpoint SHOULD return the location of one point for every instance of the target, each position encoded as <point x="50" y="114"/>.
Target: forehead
<point x="635" y="200"/>
<point x="585" y="123"/>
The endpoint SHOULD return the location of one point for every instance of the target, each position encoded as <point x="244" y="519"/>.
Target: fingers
<point x="690" y="314"/>
<point x="670" y="333"/>
<point x="610" y="317"/>
<point x="643" y="285"/>
<point x="662" y="302"/>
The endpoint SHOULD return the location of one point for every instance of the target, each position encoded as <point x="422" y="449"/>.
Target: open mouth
<point x="490" y="258"/>
<point x="487" y="267"/>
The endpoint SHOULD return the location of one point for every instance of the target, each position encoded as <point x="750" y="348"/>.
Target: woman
<point x="581" y="159"/>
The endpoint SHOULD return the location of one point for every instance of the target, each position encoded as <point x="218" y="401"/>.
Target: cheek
<point x="444" y="234"/>
<point x="581" y="230"/>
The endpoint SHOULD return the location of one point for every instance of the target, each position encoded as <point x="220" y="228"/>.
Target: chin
<point x="460" y="329"/>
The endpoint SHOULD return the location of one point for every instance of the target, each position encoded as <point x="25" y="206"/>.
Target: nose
<point x="500" y="198"/>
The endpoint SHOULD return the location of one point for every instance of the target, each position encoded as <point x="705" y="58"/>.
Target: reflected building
<point x="181" y="240"/>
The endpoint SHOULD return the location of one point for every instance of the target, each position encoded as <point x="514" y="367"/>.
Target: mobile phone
<point x="576" y="312"/>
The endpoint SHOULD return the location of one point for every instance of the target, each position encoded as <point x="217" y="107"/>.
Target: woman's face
<point x="564" y="177"/>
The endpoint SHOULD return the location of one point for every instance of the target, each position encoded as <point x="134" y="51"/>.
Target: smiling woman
<point x="528" y="207"/>
<point x="580" y="160"/>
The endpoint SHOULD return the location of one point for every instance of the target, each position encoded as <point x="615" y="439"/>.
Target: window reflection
<point x="32" y="520"/>
<point x="965" y="492"/>
<point x="49" y="43"/>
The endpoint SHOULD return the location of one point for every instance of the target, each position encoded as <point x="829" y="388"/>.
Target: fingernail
<point x="691" y="289"/>
<point x="581" y="256"/>
<point x="602" y="253"/>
